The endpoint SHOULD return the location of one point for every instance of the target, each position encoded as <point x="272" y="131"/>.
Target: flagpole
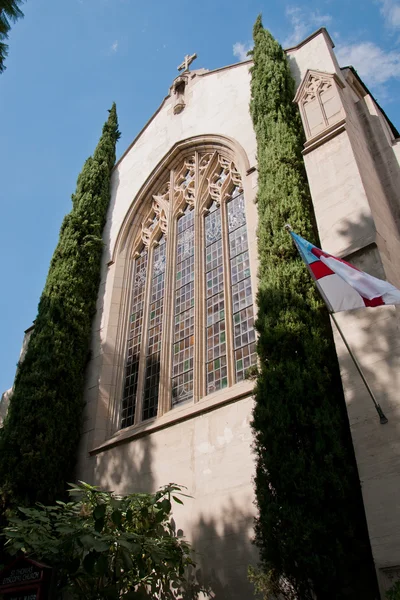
<point x="383" y="420"/>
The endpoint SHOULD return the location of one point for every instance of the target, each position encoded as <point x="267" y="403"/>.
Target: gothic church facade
<point x="167" y="398"/>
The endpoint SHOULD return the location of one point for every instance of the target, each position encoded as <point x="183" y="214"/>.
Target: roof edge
<point x="393" y="127"/>
<point x="322" y="30"/>
<point x="153" y="116"/>
<point x="232" y="66"/>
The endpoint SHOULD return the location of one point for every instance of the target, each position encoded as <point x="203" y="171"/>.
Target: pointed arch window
<point x="191" y="325"/>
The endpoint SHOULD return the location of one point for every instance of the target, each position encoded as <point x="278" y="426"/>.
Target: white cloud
<point x="240" y="50"/>
<point x="390" y="10"/>
<point x="114" y="46"/>
<point x="372" y="63"/>
<point x="303" y="23"/>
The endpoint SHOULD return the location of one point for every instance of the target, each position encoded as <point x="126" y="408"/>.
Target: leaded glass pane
<point x="240" y="267"/>
<point x="152" y="374"/>
<point x="134" y="341"/>
<point x="184" y="297"/>
<point x="243" y="327"/>
<point x="236" y="213"/>
<point x="215" y="281"/>
<point x="217" y="375"/>
<point x="183" y="346"/>
<point x="241" y="295"/>
<point x="242" y="300"/>
<point x="215" y="308"/>
<point x="214" y="255"/>
<point x="238" y="241"/>
<point x="184" y="324"/>
<point x="185" y="271"/>
<point x="244" y="358"/>
<point x="213" y="226"/>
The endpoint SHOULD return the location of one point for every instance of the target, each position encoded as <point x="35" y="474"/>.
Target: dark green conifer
<point x="39" y="441"/>
<point x="9" y="12"/>
<point x="310" y="528"/>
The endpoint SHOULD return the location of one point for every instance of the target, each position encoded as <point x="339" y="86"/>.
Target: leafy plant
<point x="310" y="529"/>
<point x="394" y="592"/>
<point x="105" y="546"/>
<point x="41" y="432"/>
<point x="9" y="11"/>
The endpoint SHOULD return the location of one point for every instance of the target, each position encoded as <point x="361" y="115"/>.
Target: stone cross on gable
<point x="187" y="62"/>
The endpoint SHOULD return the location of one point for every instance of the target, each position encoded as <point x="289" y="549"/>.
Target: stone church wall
<point x="353" y="171"/>
<point x="354" y="179"/>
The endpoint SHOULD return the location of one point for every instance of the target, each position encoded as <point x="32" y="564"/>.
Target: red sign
<point x="24" y="579"/>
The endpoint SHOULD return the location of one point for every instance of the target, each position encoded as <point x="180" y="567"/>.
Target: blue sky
<point x="70" y="59"/>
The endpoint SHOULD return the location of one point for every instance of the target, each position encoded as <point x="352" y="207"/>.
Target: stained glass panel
<point x="152" y="374"/>
<point x="242" y="299"/>
<point x="134" y="341"/>
<point x="236" y="213"/>
<point x="213" y="226"/>
<point x="214" y="255"/>
<point x="185" y="271"/>
<point x="183" y="346"/>
<point x="238" y="241"/>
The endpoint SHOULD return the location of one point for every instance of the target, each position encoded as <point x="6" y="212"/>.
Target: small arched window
<point x="191" y="319"/>
<point x="320" y="102"/>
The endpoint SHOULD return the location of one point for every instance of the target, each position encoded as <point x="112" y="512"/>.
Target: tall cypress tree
<point x="9" y="11"/>
<point x="310" y="528"/>
<point x="39" y="441"/>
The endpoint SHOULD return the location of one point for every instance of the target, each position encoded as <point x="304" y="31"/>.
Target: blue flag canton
<point x="305" y="248"/>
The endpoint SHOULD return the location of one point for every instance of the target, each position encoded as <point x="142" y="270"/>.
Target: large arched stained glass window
<point x="191" y="324"/>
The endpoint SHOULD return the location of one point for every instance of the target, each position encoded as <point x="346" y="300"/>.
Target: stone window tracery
<point x="191" y="326"/>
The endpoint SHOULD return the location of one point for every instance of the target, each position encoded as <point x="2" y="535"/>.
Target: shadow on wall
<point x="374" y="336"/>
<point x="377" y="329"/>
<point x="127" y="472"/>
<point x="223" y="553"/>
<point x="221" y="544"/>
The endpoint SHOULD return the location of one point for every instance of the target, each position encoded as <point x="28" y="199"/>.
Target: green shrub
<point x="104" y="546"/>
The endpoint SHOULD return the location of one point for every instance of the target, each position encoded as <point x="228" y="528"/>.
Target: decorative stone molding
<point x="178" y="88"/>
<point x="129" y="234"/>
<point x="217" y="176"/>
<point x="320" y="102"/>
<point x="224" y="175"/>
<point x="184" y="188"/>
<point x="157" y="218"/>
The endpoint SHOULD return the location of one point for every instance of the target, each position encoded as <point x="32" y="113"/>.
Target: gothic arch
<point x="227" y="146"/>
<point x="221" y="166"/>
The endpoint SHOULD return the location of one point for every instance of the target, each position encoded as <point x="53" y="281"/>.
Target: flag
<point x="343" y="286"/>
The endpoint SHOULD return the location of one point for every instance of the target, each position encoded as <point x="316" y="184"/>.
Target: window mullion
<point x="164" y="398"/>
<point x="144" y="341"/>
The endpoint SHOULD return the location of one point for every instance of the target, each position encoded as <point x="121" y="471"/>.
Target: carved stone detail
<point x="184" y="188"/>
<point x="157" y="216"/>
<point x="315" y="85"/>
<point x="205" y="161"/>
<point x="221" y="180"/>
